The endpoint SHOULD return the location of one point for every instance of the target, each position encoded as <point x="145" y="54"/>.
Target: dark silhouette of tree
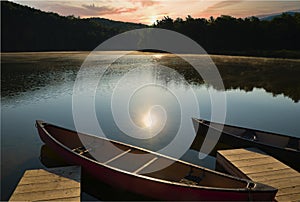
<point x="227" y="34"/>
<point x="28" y="29"/>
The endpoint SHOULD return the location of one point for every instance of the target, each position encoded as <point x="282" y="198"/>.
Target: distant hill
<point x="270" y="17"/>
<point x="118" y="24"/>
<point x="28" y="29"/>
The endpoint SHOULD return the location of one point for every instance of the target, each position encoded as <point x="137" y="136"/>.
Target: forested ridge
<point x="28" y="29"/>
<point x="229" y="34"/>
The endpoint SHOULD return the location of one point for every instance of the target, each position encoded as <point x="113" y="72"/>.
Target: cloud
<point x="124" y="10"/>
<point x="97" y="10"/>
<point x="148" y="3"/>
<point x="245" y="8"/>
<point x="219" y="7"/>
<point x="89" y="10"/>
<point x="103" y="10"/>
<point x="145" y="3"/>
<point x="223" y="4"/>
<point x="78" y="10"/>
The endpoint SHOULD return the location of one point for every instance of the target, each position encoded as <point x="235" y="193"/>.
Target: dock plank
<point x="244" y="156"/>
<point x="61" y="183"/>
<point x="46" y="186"/>
<point x="288" y="190"/>
<point x="250" y="162"/>
<point x="46" y="195"/>
<point x="41" y="179"/>
<point x="63" y="199"/>
<point x="290" y="197"/>
<point x="287" y="181"/>
<point x="58" y="171"/>
<point x="275" y="166"/>
<point x="245" y="152"/>
<point x="260" y="167"/>
<point x="277" y="175"/>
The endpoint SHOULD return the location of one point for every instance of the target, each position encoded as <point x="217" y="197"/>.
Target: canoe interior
<point x="126" y="158"/>
<point x="281" y="141"/>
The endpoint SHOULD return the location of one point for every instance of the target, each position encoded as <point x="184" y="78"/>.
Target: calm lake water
<point x="260" y="93"/>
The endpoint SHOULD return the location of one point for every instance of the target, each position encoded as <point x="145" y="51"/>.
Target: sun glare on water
<point x="158" y="56"/>
<point x="153" y="120"/>
<point x="148" y="120"/>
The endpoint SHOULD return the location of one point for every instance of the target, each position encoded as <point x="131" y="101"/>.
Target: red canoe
<point x="124" y="167"/>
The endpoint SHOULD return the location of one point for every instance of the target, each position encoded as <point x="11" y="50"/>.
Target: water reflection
<point x="277" y="76"/>
<point x="261" y="93"/>
<point x="30" y="72"/>
<point x="25" y="72"/>
<point x="153" y="111"/>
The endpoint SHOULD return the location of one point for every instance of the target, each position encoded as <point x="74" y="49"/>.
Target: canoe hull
<point x="228" y="141"/>
<point x="146" y="187"/>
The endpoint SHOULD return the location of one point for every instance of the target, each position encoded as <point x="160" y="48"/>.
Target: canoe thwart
<point x="118" y="156"/>
<point x="145" y="165"/>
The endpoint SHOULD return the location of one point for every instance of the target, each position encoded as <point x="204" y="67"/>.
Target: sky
<point x="148" y="11"/>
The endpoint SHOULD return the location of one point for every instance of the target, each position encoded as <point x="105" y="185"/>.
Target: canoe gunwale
<point x="201" y="121"/>
<point x="248" y="188"/>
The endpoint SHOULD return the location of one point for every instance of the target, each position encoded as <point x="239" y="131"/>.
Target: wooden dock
<point x="257" y="166"/>
<point x="62" y="184"/>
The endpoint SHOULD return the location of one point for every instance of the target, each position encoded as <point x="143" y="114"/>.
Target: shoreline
<point x="280" y="54"/>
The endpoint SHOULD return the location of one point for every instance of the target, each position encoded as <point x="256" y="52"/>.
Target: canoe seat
<point x="192" y="179"/>
<point x="250" y="135"/>
<point x="293" y="144"/>
<point x="80" y="150"/>
<point x="186" y="181"/>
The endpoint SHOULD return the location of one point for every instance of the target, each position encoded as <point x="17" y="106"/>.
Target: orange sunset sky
<point x="148" y="11"/>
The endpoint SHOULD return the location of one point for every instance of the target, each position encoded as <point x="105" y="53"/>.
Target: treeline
<point x="229" y="34"/>
<point x="27" y="29"/>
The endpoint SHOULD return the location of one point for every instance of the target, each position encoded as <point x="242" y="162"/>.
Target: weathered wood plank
<point x="63" y="199"/>
<point x="41" y="179"/>
<point x="244" y="157"/>
<point x="65" y="184"/>
<point x="262" y="168"/>
<point x="252" y="162"/>
<point x="62" y="171"/>
<point x="275" y="166"/>
<point x="290" y="197"/>
<point x="230" y="152"/>
<point x="276" y="175"/>
<point x="46" y="195"/>
<point x="284" y="182"/>
<point x="52" y="184"/>
<point x="288" y="190"/>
